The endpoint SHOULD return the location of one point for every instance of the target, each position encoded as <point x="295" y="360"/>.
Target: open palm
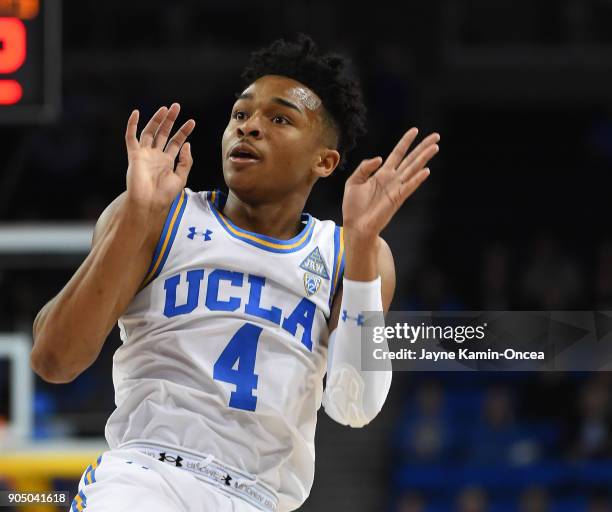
<point x="376" y="190"/>
<point x="152" y="180"/>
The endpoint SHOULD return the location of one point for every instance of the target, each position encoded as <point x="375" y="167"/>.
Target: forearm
<point x="354" y="396"/>
<point x="70" y="330"/>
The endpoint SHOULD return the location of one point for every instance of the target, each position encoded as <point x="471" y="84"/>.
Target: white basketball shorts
<point x="127" y="480"/>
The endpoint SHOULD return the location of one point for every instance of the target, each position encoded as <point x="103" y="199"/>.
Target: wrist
<point x="361" y="256"/>
<point x="358" y="234"/>
<point x="143" y="220"/>
<point x="144" y="208"/>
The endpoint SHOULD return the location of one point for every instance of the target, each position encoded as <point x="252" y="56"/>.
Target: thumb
<point x="184" y="162"/>
<point x="364" y="170"/>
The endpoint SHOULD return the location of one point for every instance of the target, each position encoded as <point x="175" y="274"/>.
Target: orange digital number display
<point x="30" y="55"/>
<point x="12" y="57"/>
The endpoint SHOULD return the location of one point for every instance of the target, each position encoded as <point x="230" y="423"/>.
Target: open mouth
<point x="243" y="154"/>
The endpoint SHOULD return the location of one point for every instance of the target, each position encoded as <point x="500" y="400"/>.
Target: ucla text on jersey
<point x="302" y="314"/>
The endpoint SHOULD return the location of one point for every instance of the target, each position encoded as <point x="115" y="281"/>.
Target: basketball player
<point x="232" y="307"/>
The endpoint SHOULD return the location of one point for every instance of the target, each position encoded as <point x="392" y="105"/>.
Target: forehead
<point x="269" y="87"/>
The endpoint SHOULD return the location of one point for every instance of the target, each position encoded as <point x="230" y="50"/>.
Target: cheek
<point x="292" y="160"/>
<point x="294" y="146"/>
<point x="226" y="134"/>
<point x="289" y="154"/>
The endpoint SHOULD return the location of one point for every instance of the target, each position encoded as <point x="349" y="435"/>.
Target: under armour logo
<point x="227" y="480"/>
<point x="359" y="318"/>
<point x="206" y="234"/>
<point x="176" y="460"/>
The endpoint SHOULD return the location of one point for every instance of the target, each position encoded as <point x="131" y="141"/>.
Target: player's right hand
<point x="152" y="181"/>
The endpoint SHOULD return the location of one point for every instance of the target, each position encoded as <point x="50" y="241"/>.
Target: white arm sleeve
<point x="352" y="396"/>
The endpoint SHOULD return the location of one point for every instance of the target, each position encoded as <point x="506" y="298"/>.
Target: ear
<point x="325" y="162"/>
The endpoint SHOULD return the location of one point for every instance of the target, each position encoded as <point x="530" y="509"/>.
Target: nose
<point x="250" y="127"/>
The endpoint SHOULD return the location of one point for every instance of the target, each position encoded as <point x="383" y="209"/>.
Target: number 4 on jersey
<point x="241" y="352"/>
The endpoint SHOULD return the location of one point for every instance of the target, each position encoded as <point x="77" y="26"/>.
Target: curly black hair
<point x="326" y="75"/>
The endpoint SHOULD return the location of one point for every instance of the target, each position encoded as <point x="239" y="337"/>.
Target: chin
<point x="244" y="184"/>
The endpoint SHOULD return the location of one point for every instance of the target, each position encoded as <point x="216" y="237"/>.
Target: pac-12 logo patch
<point x="315" y="264"/>
<point x="312" y="283"/>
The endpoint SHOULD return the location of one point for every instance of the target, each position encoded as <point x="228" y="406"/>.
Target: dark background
<point x="514" y="216"/>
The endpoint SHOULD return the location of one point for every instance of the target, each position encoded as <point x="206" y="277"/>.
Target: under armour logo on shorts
<point x="176" y="460"/>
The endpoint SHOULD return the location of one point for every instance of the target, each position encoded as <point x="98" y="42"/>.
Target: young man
<point x="226" y="303"/>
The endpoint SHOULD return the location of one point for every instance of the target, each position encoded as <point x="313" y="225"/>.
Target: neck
<point x="280" y="220"/>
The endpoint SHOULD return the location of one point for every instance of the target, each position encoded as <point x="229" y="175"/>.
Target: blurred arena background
<point x="514" y="216"/>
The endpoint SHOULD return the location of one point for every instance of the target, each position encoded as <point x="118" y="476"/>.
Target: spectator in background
<point x="472" y="499"/>
<point x="497" y="438"/>
<point x="534" y="499"/>
<point x="552" y="280"/>
<point x="411" y="501"/>
<point x="425" y="435"/>
<point x="590" y="436"/>
<point x="599" y="502"/>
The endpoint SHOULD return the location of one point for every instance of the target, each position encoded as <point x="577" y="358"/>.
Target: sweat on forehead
<point x="289" y="88"/>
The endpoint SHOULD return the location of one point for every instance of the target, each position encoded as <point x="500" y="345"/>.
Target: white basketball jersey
<point x="224" y="347"/>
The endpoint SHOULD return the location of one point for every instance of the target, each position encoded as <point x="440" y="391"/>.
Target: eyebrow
<point x="280" y="101"/>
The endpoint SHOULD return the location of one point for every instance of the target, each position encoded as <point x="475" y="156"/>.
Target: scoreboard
<point x="30" y="60"/>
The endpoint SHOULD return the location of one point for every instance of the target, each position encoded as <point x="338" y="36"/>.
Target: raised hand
<point x="152" y="181"/>
<point x="374" y="192"/>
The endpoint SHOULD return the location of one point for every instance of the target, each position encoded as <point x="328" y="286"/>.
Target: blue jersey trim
<point x="264" y="242"/>
<point x="79" y="503"/>
<point x="162" y="250"/>
<point x="338" y="268"/>
<point x="90" y="473"/>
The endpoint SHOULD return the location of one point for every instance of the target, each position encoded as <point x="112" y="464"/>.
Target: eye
<point x="239" y="115"/>
<point x="280" y="120"/>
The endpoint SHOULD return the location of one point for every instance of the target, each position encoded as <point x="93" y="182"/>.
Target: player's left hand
<point x="376" y="190"/>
